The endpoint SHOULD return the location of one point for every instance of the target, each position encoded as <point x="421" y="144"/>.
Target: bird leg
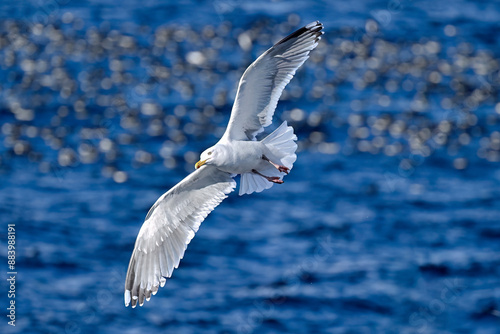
<point x="274" y="179"/>
<point x="281" y="168"/>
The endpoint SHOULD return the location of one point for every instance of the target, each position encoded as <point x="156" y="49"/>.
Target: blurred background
<point x="388" y="223"/>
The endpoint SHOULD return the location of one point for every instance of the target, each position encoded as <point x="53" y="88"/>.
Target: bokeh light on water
<point x="87" y="92"/>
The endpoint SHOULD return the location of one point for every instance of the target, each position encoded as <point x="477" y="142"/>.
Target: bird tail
<point x="281" y="147"/>
<point x="281" y="143"/>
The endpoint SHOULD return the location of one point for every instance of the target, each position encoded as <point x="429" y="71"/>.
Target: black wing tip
<point x="314" y="27"/>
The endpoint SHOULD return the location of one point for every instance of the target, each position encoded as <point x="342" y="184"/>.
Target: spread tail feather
<point x="251" y="182"/>
<point x="281" y="143"/>
<point x="281" y="146"/>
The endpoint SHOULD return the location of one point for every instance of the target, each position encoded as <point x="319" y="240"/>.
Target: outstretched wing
<point x="169" y="227"/>
<point x="263" y="82"/>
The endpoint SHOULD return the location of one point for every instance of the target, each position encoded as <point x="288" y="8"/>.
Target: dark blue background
<point x="388" y="223"/>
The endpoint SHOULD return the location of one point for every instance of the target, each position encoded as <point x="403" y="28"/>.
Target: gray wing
<point x="169" y="227"/>
<point x="263" y="82"/>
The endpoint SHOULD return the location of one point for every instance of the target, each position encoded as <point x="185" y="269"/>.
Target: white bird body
<point x="240" y="157"/>
<point x="174" y="219"/>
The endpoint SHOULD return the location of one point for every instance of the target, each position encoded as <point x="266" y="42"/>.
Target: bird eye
<point x="209" y="153"/>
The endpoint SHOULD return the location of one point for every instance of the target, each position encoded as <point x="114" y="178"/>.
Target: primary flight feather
<point x="176" y="216"/>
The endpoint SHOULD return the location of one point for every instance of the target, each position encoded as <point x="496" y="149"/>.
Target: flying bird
<point x="174" y="219"/>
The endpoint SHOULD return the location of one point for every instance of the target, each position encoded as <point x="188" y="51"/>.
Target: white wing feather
<point x="169" y="227"/>
<point x="263" y="82"/>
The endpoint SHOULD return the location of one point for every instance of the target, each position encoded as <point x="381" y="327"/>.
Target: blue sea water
<point x="389" y="221"/>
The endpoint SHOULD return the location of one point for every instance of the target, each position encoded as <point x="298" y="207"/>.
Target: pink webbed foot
<point x="273" y="179"/>
<point x="283" y="169"/>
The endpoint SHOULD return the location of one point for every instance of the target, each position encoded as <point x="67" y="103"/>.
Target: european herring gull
<point x="176" y="216"/>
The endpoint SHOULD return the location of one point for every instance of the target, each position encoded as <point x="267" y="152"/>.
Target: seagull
<point x="174" y="219"/>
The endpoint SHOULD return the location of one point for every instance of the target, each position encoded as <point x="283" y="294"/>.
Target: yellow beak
<point x="200" y="163"/>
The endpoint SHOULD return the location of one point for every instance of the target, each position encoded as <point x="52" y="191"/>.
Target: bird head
<point x="207" y="157"/>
